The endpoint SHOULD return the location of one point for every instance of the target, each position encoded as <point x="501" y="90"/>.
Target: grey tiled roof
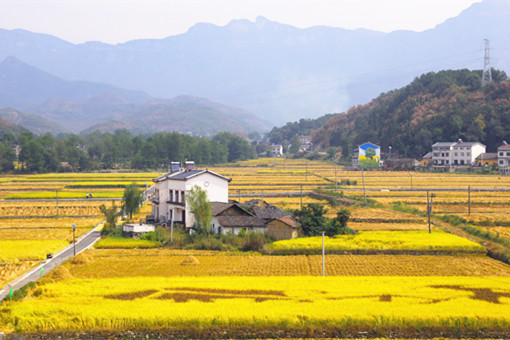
<point x="184" y="175"/>
<point x="240" y="221"/>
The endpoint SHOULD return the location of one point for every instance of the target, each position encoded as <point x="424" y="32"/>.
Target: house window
<point x="182" y="196"/>
<point x="455" y="154"/>
<point x="171" y="195"/>
<point x="468" y="153"/>
<point x="501" y="162"/>
<point x="508" y="153"/>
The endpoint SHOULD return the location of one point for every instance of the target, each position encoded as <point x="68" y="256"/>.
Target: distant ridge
<point x="7" y="126"/>
<point x="45" y="103"/>
<point x="31" y="122"/>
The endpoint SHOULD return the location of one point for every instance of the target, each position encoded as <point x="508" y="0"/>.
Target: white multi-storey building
<point x="460" y="153"/>
<point x="442" y="153"/>
<point x="465" y="153"/>
<point x="169" y="203"/>
<point x="504" y="159"/>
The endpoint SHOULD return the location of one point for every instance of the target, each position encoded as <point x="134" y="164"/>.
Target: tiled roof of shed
<point x="240" y="221"/>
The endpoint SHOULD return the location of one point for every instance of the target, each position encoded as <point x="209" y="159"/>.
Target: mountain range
<point x="45" y="103"/>
<point x="279" y="72"/>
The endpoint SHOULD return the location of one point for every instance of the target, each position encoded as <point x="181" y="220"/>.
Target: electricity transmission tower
<point x="486" y="75"/>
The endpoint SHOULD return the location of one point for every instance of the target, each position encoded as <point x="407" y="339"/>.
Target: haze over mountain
<point x="277" y="71"/>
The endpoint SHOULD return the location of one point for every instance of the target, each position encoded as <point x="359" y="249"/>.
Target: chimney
<point x="189" y="165"/>
<point x="459" y="141"/>
<point x="175" y="167"/>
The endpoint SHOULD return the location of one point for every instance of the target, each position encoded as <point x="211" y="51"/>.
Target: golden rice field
<point x="377" y="241"/>
<point x="61" y="222"/>
<point x="371" y="226"/>
<point x="12" y="250"/>
<point x="40" y="234"/>
<point x="65" y="208"/>
<point x="452" y="304"/>
<point x="126" y="243"/>
<point x="104" y="193"/>
<point x="383" y="214"/>
<point x="11" y="270"/>
<point x="111" y="263"/>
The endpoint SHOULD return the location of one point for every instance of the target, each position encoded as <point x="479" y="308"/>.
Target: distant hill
<point x="436" y="107"/>
<point x="183" y="114"/>
<point x="7" y="126"/>
<point x="56" y="105"/>
<point x="24" y="86"/>
<point x="31" y="122"/>
<point x="279" y="72"/>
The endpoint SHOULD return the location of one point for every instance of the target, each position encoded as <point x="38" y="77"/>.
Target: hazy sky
<point x="117" y="21"/>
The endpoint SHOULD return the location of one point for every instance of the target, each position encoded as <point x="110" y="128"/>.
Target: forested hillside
<point x="443" y="106"/>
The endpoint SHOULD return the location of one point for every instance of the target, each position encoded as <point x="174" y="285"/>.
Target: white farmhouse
<point x="169" y="204"/>
<point x="447" y="154"/>
<point x="465" y="153"/>
<point x="442" y="153"/>
<point x="504" y="158"/>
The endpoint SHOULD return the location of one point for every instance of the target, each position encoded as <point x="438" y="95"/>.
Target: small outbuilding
<point x="136" y="230"/>
<point x="283" y="228"/>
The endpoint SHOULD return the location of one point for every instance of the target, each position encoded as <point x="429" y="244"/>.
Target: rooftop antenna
<point x="486" y="75"/>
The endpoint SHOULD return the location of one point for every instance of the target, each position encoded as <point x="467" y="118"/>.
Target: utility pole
<point x="469" y="199"/>
<point x="364" y="191"/>
<point x="74" y="239"/>
<point x="301" y="195"/>
<point x="486" y="75"/>
<point x="56" y="193"/>
<point x="336" y="182"/>
<point x="323" y="257"/>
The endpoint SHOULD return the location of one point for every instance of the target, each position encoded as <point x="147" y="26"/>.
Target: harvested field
<point x="106" y="263"/>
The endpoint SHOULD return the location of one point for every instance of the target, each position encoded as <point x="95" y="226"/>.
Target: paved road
<point x="84" y="242"/>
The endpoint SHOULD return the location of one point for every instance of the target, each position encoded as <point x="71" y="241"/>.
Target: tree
<point x="200" y="207"/>
<point x="312" y="219"/>
<point x="110" y="215"/>
<point x="338" y="225"/>
<point x="133" y="199"/>
<point x="294" y="144"/>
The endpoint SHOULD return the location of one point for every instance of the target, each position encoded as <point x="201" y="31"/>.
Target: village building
<point x="254" y="215"/>
<point x="283" y="228"/>
<point x="367" y="155"/>
<point x="465" y="153"/>
<point x="487" y="159"/>
<point x="442" y="153"/>
<point x="460" y="153"/>
<point x="168" y="201"/>
<point x="426" y="160"/>
<point x="504" y="158"/>
<point x="277" y="150"/>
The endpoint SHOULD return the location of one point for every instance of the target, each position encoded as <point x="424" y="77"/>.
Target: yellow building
<point x="487" y="159"/>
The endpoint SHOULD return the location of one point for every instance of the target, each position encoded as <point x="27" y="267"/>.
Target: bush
<point x="254" y="241"/>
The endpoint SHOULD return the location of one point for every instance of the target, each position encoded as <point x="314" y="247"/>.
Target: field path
<point x="84" y="242"/>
